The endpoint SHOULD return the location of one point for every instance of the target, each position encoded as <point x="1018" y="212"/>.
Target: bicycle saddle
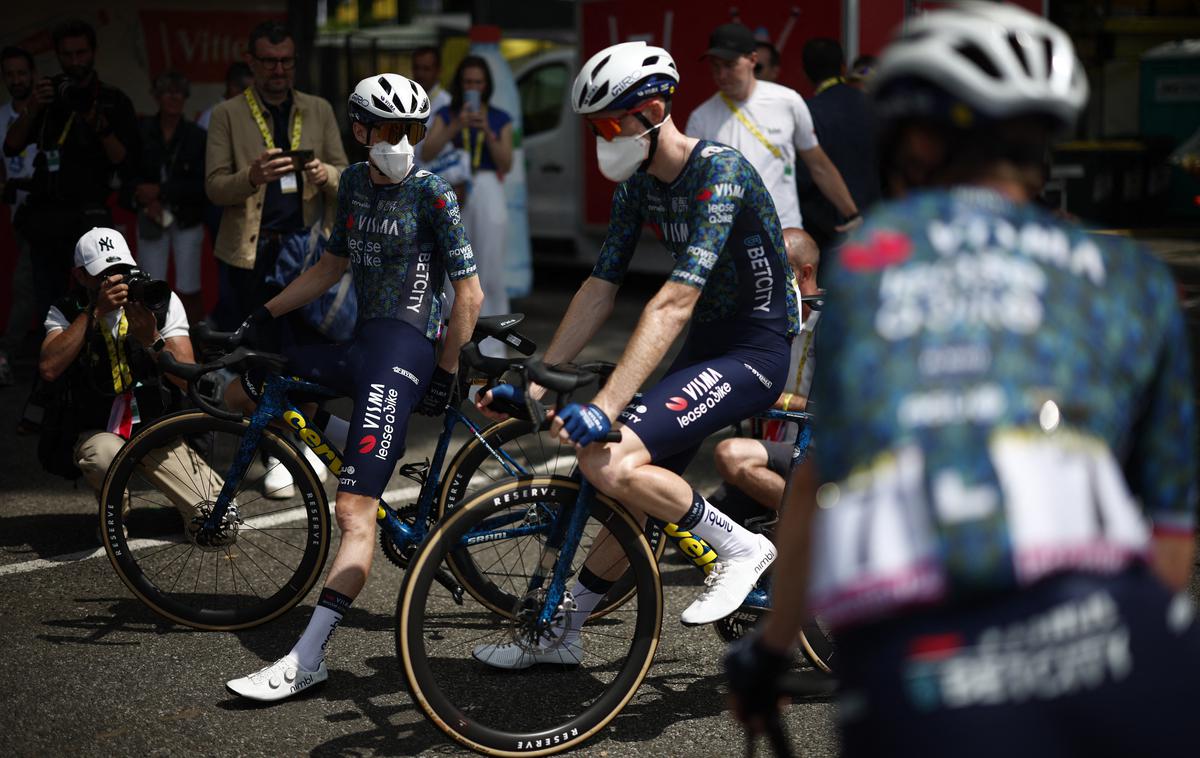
<point x="503" y="328"/>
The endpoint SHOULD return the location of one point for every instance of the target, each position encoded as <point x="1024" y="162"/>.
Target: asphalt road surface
<point x="90" y="671"/>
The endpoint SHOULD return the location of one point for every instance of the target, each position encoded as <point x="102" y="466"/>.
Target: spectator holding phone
<point x="485" y="134"/>
<point x="273" y="160"/>
<point x="169" y="192"/>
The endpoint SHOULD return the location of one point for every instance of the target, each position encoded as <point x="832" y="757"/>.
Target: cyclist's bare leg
<point x="356" y="522"/>
<point x="742" y="462"/>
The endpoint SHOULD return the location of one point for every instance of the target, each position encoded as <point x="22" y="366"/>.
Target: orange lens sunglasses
<point x="393" y="132"/>
<point x="607" y="127"/>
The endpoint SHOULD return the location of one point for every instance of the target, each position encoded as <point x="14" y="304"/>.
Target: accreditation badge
<point x="288" y="183"/>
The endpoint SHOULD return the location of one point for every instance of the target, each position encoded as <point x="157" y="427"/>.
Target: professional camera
<point x="155" y="294"/>
<point x="143" y="288"/>
<point x="78" y="97"/>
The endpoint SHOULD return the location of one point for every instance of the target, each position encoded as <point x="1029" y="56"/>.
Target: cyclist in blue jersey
<point x="732" y="285"/>
<point x="400" y="230"/>
<point x="1000" y="526"/>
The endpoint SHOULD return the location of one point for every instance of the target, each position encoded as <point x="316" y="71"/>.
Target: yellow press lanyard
<point x="736" y="111"/>
<point x="475" y="156"/>
<point x="63" y="137"/>
<point x="256" y="111"/>
<point x="828" y="83"/>
<point x="808" y="336"/>
<point x="121" y="375"/>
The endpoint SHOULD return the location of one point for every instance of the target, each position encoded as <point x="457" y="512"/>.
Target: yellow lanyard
<point x="828" y="83"/>
<point x="256" y="111"/>
<point x="808" y="337"/>
<point x="466" y="140"/>
<point x="122" y="376"/>
<point x="63" y="137"/>
<point x="753" y="129"/>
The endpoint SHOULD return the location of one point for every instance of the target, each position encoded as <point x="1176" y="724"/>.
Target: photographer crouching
<point x="85" y="132"/>
<point x="100" y="355"/>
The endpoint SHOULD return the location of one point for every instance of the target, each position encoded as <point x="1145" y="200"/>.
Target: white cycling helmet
<point x="623" y="75"/>
<point x="996" y="59"/>
<point x="388" y="97"/>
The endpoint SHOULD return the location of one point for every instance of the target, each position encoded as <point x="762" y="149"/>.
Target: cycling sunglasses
<point x="607" y="127"/>
<point x="393" y="132"/>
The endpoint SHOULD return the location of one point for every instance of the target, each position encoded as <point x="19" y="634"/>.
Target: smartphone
<point x="299" y="157"/>
<point x="472" y="99"/>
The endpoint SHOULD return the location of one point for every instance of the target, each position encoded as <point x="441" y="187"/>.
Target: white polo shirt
<point x="781" y="116"/>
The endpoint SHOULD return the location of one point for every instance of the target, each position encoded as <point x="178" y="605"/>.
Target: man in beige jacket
<point x="266" y="204"/>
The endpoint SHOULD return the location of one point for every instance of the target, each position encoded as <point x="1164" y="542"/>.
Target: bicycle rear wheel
<point x="536" y="712"/>
<point x="817" y="645"/>
<point x="161" y="487"/>
<point x="510" y="448"/>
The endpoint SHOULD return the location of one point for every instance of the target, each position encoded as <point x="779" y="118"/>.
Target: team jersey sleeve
<point x="1161" y="466"/>
<point x="341" y="217"/>
<point x="805" y="136"/>
<point x="624" y="229"/>
<point x="714" y="207"/>
<point x="445" y="216"/>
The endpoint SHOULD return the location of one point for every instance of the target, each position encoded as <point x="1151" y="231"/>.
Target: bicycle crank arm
<point x="447" y="580"/>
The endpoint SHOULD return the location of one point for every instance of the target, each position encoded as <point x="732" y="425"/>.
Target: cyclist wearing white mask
<point x="731" y="283"/>
<point x="401" y="230"/>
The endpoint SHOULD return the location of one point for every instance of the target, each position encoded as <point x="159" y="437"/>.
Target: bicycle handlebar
<point x="563" y="380"/>
<point x="239" y="359"/>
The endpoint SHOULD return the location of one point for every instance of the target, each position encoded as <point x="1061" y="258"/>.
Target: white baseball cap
<point x="101" y="248"/>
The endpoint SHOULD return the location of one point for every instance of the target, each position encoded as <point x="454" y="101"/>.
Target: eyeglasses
<point x="287" y="64"/>
<point x="393" y="132"/>
<point x="607" y="127"/>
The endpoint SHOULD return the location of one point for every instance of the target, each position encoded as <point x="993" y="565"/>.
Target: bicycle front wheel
<point x="555" y="706"/>
<point x="513" y="447"/>
<point x="163" y="485"/>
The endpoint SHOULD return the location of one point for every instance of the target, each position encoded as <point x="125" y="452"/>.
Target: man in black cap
<point x="767" y="123"/>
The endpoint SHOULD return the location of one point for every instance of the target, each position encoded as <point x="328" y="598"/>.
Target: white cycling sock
<point x="730" y="539"/>
<point x="588" y="591"/>
<point x="310" y="648"/>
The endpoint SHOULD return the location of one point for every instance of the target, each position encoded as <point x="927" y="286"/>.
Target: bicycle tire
<point x="422" y="636"/>
<point x="263" y="572"/>
<point x="466" y="475"/>
<point x="818" y="646"/>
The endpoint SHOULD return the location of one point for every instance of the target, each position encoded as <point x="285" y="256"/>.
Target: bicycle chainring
<point x="737" y="624"/>
<point x="396" y="554"/>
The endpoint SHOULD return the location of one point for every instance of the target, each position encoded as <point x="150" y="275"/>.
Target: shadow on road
<point x="48" y="535"/>
<point x="122" y="615"/>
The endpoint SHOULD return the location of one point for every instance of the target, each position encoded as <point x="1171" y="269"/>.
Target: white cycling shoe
<point x="278" y="482"/>
<point x="317" y="463"/>
<point x="512" y="657"/>
<point x="728" y="583"/>
<point x="280" y="680"/>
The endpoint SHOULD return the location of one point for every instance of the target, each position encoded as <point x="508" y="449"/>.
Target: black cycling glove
<point x="438" y="395"/>
<point x="754" y="673"/>
<point x="258" y="330"/>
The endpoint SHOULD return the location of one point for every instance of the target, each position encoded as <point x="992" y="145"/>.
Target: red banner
<point x="200" y="44"/>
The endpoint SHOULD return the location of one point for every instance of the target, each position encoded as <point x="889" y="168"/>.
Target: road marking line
<point x="259" y="522"/>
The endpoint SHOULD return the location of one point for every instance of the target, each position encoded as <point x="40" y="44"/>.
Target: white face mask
<point x="621" y="156"/>
<point x="393" y="161"/>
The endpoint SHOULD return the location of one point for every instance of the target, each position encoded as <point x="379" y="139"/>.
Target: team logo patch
<point x="439" y="203"/>
<point x="883" y="249"/>
<point x="367" y="443"/>
<point x="704" y="194"/>
<point x="350" y="221"/>
<point x="676" y="404"/>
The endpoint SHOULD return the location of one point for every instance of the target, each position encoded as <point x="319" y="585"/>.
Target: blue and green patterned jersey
<point x="402" y="240"/>
<point x="719" y="222"/>
<point x="995" y="388"/>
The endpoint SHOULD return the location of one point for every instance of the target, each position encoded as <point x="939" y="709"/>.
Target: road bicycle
<point x="549" y="522"/>
<point x="188" y="528"/>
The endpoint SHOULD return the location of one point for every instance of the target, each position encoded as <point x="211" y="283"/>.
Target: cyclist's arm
<point x="309" y="285"/>
<point x="1161" y="465"/>
<point x="458" y="258"/>
<point x="793" y="537"/>
<point x="589" y="309"/>
<point x="468" y="299"/>
<point x="663" y="319"/>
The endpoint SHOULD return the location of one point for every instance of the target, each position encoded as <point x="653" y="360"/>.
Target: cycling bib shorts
<point x="710" y="385"/>
<point x="1063" y="668"/>
<point x="386" y="370"/>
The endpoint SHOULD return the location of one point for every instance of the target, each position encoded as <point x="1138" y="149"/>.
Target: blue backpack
<point x="335" y="312"/>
